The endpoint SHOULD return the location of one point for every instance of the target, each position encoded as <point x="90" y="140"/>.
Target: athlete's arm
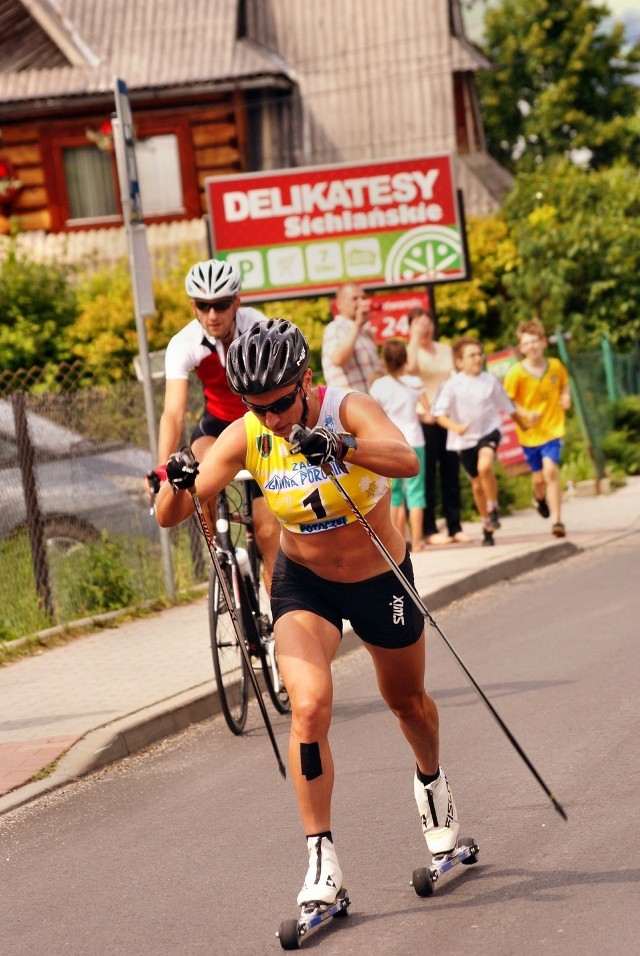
<point x="381" y="445"/>
<point x="219" y="466"/>
<point x="172" y="421"/>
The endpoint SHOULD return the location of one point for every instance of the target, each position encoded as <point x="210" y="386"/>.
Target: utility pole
<point x="140" y="268"/>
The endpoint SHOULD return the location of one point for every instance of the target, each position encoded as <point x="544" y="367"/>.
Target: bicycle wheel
<point x="272" y="677"/>
<point x="228" y="661"/>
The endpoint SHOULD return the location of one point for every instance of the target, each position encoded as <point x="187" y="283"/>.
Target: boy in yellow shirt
<point x="541" y="384"/>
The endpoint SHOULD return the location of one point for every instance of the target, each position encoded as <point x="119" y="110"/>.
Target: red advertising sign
<point x="389" y="313"/>
<point x="509" y="450"/>
<point x="305" y="231"/>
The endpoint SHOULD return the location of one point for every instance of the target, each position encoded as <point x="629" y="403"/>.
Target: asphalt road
<point x="194" y="847"/>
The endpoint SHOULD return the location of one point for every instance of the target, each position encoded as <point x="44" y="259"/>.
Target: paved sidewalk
<point x="106" y="695"/>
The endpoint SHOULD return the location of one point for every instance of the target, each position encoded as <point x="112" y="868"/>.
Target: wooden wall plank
<point x="22" y="155"/>
<point x="214" y="134"/>
<point x="217" y="156"/>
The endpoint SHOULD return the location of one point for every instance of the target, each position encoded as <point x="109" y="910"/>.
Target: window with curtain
<point x="91" y="187"/>
<point x="91" y="179"/>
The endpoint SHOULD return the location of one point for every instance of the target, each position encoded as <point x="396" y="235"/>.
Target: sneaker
<point x="558" y="530"/>
<point x="437" y="814"/>
<point x="323" y="881"/>
<point x="487" y="538"/>
<point x="492" y="522"/>
<point x="542" y="506"/>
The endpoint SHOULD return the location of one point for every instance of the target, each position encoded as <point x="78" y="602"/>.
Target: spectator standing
<point x="401" y="396"/>
<point x="541" y="384"/>
<point x="349" y="352"/>
<point x="433" y="362"/>
<point x="468" y="405"/>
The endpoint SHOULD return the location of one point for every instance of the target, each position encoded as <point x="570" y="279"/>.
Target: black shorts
<point x="379" y="610"/>
<point x="208" y="426"/>
<point x="211" y="427"/>
<point x="469" y="456"/>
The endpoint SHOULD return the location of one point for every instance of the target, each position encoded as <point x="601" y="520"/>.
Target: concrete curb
<point x="130" y="734"/>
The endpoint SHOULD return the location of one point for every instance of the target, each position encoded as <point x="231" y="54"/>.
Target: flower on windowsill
<point x="102" y="137"/>
<point x="10" y="185"/>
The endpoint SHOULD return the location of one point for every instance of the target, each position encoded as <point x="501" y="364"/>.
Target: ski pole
<point x="417" y="600"/>
<point x="226" y="591"/>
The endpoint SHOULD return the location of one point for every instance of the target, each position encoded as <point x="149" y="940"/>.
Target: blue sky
<point x="626" y="10"/>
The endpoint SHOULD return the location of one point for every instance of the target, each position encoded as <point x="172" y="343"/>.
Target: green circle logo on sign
<point x="424" y="254"/>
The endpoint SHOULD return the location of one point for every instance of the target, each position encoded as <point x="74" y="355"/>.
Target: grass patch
<point x="100" y="576"/>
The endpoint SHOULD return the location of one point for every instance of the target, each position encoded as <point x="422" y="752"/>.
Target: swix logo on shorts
<point x="398" y="609"/>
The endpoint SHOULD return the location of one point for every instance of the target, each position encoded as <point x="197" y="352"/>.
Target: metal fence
<point x="597" y="380"/>
<point x="76" y="534"/>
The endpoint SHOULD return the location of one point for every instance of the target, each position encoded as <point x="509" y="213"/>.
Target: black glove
<point x="182" y="469"/>
<point x="318" y="445"/>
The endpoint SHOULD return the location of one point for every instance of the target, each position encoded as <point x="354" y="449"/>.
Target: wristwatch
<point x="348" y="445"/>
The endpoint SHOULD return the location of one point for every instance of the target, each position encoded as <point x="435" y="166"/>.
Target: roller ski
<point x="440" y="828"/>
<point x="322" y="897"/>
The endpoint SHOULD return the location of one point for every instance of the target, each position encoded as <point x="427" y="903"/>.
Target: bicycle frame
<point x="243" y="567"/>
<point x="244" y="518"/>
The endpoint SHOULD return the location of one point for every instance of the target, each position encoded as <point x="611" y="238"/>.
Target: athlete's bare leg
<point x="306" y="645"/>
<point x="400" y="675"/>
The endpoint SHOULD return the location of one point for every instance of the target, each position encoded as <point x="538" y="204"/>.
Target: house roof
<point x="71" y="48"/>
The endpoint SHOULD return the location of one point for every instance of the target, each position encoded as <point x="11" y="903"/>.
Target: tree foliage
<point x="561" y="84"/>
<point x="475" y="307"/>
<point x="37" y="303"/>
<point x="577" y="235"/>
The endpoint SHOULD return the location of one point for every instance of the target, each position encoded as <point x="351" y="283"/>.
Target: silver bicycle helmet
<point x="267" y="356"/>
<point x="213" y="279"/>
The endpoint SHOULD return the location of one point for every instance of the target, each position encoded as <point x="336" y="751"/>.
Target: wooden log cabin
<point x="225" y="86"/>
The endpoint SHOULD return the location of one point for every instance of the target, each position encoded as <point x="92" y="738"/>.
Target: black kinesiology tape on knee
<point x="310" y="760"/>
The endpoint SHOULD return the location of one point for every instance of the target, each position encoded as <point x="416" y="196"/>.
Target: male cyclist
<point x="201" y="346"/>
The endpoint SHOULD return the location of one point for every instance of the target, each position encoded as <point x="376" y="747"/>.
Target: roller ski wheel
<point x="313" y="917"/>
<point x="425" y="877"/>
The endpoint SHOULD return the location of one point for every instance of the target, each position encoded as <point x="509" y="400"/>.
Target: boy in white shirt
<point x="469" y="406"/>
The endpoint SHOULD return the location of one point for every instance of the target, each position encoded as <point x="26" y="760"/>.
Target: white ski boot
<point x="438" y="815"/>
<point x="323" y="881"/>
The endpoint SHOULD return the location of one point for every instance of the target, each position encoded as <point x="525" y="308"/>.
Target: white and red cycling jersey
<point x="191" y="349"/>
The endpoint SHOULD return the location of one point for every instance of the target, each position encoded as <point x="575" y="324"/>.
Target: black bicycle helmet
<point x="267" y="356"/>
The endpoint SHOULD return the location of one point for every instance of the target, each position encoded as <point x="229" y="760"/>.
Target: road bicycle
<point x="241" y="562"/>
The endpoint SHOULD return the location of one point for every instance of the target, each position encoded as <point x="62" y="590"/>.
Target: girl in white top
<point x="403" y="398"/>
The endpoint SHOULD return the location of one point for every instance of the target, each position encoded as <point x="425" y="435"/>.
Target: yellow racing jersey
<point x="539" y="395"/>
<point x="302" y="497"/>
